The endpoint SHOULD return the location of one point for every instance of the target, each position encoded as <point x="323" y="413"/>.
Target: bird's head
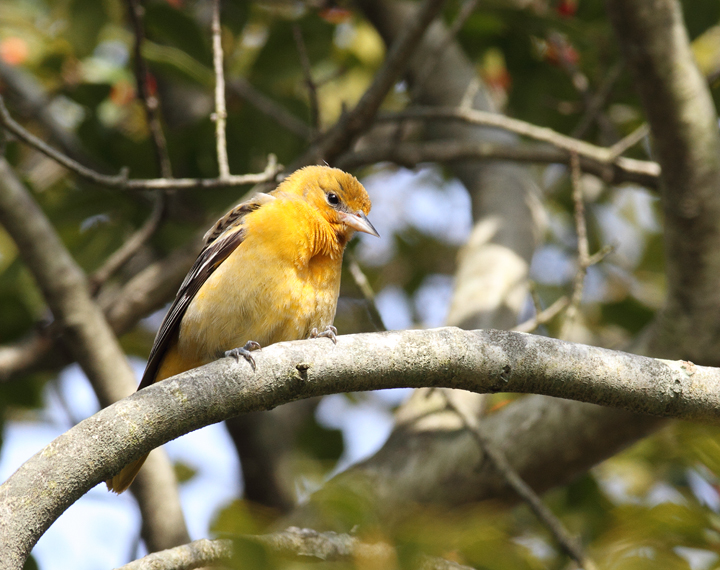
<point x="338" y="197"/>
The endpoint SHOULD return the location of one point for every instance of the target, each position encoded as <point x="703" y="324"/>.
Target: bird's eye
<point x="333" y="199"/>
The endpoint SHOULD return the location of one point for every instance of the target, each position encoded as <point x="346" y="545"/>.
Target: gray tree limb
<point x="684" y="126"/>
<point x="411" y="154"/>
<point x="90" y="340"/>
<point x="479" y="361"/>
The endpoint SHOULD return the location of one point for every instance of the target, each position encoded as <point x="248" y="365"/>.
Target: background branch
<point x="121" y="180"/>
<point x="411" y="154"/>
<point x="568" y="544"/>
<point x="149" y="99"/>
<point x="90" y="340"/>
<point x="220" y="115"/>
<point x="309" y="82"/>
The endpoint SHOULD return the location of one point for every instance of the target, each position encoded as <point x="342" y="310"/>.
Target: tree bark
<point x="479" y="361"/>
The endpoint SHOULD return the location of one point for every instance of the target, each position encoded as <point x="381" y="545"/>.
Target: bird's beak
<point x="359" y="222"/>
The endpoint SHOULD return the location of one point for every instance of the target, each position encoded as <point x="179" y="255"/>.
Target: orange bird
<point x="269" y="271"/>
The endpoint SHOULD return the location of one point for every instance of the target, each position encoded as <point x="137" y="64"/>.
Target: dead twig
<point x="544" y="316"/>
<point x="121" y="181"/>
<point x="629" y="141"/>
<point x="366" y="289"/>
<point x="466" y="9"/>
<point x="122" y="255"/>
<point x="220" y="115"/>
<point x="149" y="99"/>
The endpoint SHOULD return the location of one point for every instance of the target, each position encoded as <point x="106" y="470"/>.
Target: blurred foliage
<point x="654" y="506"/>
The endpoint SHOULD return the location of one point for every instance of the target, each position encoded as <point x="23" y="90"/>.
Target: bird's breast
<point x="260" y="294"/>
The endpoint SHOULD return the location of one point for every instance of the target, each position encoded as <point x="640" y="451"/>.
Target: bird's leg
<point x="244" y="351"/>
<point x="329" y="332"/>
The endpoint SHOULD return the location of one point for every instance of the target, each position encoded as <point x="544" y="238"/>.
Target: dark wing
<point x="234" y="216"/>
<point x="220" y="242"/>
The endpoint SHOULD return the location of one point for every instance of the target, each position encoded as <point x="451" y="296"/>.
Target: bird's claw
<point x="329" y="332"/>
<point x="244" y="351"/>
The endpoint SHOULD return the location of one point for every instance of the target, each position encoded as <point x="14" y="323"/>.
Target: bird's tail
<point x="122" y="480"/>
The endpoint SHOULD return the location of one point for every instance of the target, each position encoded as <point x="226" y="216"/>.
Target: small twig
<point x="121" y="181"/>
<point x="598" y="256"/>
<point x="15" y="128"/>
<point x="220" y="115"/>
<point x="629" y="141"/>
<point x="309" y="82"/>
<point x="150" y="101"/>
<point x="583" y="247"/>
<point x="331" y="76"/>
<point x="130" y="247"/>
<point x="484" y="118"/>
<point x="366" y="289"/>
<point x="567" y="543"/>
<point x="597" y="101"/>
<point x="410" y="153"/>
<point x="544" y="316"/>
<point x="270" y="108"/>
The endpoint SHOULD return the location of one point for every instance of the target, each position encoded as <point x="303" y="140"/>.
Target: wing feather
<point x="220" y="241"/>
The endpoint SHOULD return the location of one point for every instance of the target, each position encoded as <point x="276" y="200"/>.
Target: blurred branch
<point x="585" y="260"/>
<point x="351" y="124"/>
<point x="630" y="141"/>
<point x="567" y="543"/>
<point x="270" y="108"/>
<point x="466" y="9"/>
<point x="24" y="354"/>
<point x="309" y="82"/>
<point x="366" y="289"/>
<point x="149" y="99"/>
<point x="88" y="337"/>
<point x="480" y="361"/>
<point x="30" y="96"/>
<point x="543" y="317"/>
<point x="292" y="542"/>
<point x="410" y="154"/>
<point x="596" y="102"/>
<point x="147" y="291"/>
<point x="220" y="116"/>
<point x="592" y="103"/>
<point x="122" y="255"/>
<point x="601" y="155"/>
<point x="121" y="181"/>
<point x="684" y="124"/>
<point x="583" y="247"/>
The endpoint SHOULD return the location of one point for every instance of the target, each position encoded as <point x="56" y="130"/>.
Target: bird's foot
<point x="244" y="351"/>
<point x="329" y="332"/>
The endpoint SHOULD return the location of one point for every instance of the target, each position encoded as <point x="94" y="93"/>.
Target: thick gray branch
<point x="89" y="339"/>
<point x="479" y="361"/>
<point x="684" y="126"/>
